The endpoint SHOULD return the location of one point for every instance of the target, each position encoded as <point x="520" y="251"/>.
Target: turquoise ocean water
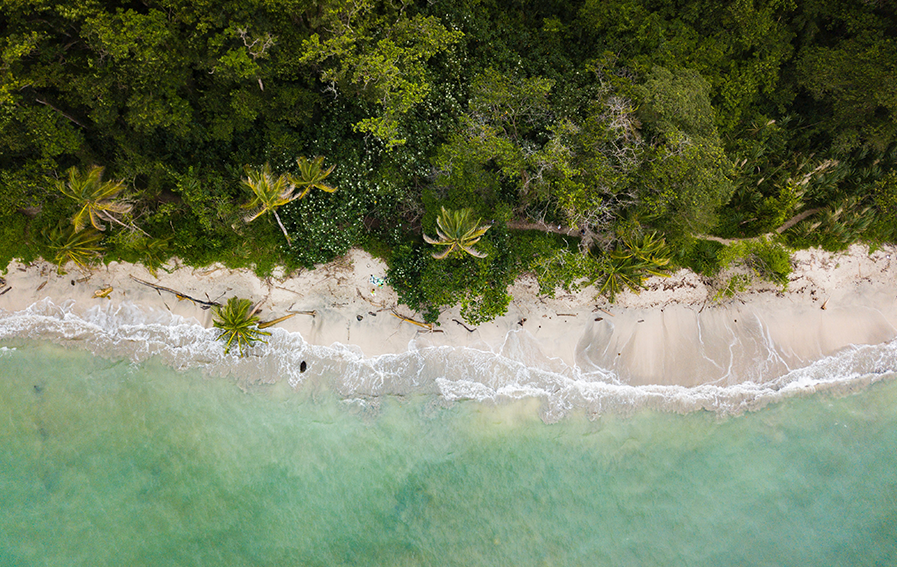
<point x="107" y="461"/>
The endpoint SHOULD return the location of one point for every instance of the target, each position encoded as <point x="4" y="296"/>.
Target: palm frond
<point x="70" y="245"/>
<point x="93" y="195"/>
<point x="457" y="230"/>
<point x="311" y="175"/>
<point x="238" y="325"/>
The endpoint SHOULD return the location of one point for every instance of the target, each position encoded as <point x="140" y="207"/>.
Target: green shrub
<point x="767" y="259"/>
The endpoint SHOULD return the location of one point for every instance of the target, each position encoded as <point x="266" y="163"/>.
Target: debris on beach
<point x="104" y="292"/>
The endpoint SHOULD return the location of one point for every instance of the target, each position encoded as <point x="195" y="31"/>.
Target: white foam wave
<point x="127" y="331"/>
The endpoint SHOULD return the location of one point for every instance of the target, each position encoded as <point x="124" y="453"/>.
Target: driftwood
<point x="205" y="305"/>
<point x="469" y="330"/>
<point x="267" y="324"/>
<point x="312" y="313"/>
<point x="5" y="290"/>
<point x="427" y="326"/>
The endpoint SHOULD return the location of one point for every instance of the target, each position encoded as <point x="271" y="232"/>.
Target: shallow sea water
<point x="115" y="463"/>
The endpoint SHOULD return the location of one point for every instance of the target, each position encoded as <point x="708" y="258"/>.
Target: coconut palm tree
<point x="651" y="252"/>
<point x="458" y="232"/>
<point x="312" y="176"/>
<point x="270" y="193"/>
<point x="97" y="198"/>
<point x="238" y="325"/>
<point x="70" y="245"/>
<point x="622" y="273"/>
<point x="631" y="262"/>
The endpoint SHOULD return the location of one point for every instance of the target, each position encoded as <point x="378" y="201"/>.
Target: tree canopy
<point x="582" y="121"/>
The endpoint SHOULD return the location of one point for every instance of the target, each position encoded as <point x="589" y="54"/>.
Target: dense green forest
<point x="597" y="141"/>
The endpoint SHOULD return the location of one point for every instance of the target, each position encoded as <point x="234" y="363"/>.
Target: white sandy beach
<point x="671" y="333"/>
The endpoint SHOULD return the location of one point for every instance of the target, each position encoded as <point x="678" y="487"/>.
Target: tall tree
<point x="270" y="193"/>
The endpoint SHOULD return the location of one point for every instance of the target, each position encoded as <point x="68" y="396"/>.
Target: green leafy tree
<point x="270" y="193"/>
<point x="457" y="231"/>
<point x="97" y="198"/>
<point x="311" y="175"/>
<point x="378" y="56"/>
<point x="238" y="325"/>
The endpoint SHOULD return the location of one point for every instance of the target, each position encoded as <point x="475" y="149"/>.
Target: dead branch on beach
<point x="427" y="326"/>
<point x="469" y="330"/>
<point x="313" y="313"/>
<point x="205" y="305"/>
<point x="273" y="322"/>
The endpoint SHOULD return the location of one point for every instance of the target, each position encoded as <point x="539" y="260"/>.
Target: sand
<point x="673" y="332"/>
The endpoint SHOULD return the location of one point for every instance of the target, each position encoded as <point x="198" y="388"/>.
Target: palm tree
<point x="270" y="192"/>
<point x="311" y="176"/>
<point x="630" y="263"/>
<point x="651" y="252"/>
<point x="622" y="273"/>
<point x="70" y="245"/>
<point x="95" y="196"/>
<point x="458" y="231"/>
<point x="237" y="321"/>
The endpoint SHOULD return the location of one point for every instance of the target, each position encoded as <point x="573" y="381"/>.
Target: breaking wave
<point x="452" y="373"/>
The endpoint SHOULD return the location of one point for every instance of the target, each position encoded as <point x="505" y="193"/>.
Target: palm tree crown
<point x="237" y="322"/>
<point x="311" y="175"/>
<point x="628" y="265"/>
<point x="270" y="192"/>
<point x="70" y="245"/>
<point x="95" y="196"/>
<point x="458" y="231"/>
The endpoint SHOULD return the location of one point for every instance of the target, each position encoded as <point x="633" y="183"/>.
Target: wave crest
<point x="453" y="373"/>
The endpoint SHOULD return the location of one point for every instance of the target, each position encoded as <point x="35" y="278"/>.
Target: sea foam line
<point x="454" y="373"/>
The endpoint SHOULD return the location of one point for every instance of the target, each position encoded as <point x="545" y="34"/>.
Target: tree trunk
<point x="289" y="241"/>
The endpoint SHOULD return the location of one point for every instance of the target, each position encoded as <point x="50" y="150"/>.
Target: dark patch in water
<point x="38" y="389"/>
<point x="302" y="366"/>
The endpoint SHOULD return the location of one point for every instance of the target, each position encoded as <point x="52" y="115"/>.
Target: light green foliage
<point x="677" y="101"/>
<point x="732" y="286"/>
<point x="380" y="56"/>
<point x="70" y="245"/>
<point x="95" y="197"/>
<point x="767" y="259"/>
<point x="238" y="325"/>
<point x="458" y="232"/>
<point x="686" y="183"/>
<point x="137" y="48"/>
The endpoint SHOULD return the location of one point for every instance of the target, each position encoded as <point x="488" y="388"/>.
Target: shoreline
<point x="672" y="334"/>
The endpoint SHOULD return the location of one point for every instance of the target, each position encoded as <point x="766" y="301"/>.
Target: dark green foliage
<point x="702" y="257"/>
<point x="323" y="226"/>
<point x="606" y="117"/>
